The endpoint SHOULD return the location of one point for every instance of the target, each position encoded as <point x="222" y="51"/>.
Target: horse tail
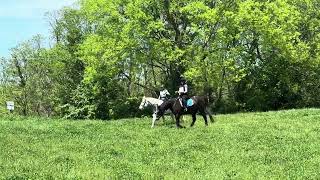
<point x="209" y="100"/>
<point x="206" y="100"/>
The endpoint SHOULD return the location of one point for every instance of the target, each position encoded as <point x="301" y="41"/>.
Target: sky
<point x="20" y="20"/>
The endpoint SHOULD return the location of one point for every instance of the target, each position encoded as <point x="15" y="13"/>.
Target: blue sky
<point x="22" y="19"/>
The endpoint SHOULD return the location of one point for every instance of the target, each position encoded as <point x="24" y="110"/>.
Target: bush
<point x="127" y="108"/>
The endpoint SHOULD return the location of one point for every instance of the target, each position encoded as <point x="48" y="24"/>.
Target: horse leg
<point x="172" y="117"/>
<point x="210" y="115"/>
<point x="204" y="117"/>
<point x="154" y="118"/>
<point x="153" y="121"/>
<point x="194" y="118"/>
<point x="178" y="121"/>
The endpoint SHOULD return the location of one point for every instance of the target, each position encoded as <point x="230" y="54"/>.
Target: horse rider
<point x="164" y="93"/>
<point x="183" y="93"/>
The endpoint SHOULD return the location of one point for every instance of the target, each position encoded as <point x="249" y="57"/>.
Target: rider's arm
<point x="185" y="87"/>
<point x="168" y="92"/>
<point x="181" y="90"/>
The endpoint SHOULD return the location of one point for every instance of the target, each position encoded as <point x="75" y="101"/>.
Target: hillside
<point x="280" y="145"/>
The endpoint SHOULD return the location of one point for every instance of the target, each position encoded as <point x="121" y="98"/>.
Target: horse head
<point x="143" y="103"/>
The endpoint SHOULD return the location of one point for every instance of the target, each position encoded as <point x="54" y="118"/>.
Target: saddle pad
<point x="190" y="102"/>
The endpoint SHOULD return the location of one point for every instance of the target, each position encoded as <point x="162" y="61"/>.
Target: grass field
<point x="276" y="145"/>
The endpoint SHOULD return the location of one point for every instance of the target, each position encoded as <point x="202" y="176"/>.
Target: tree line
<point x="247" y="55"/>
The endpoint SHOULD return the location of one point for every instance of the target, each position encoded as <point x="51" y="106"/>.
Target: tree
<point x="246" y="55"/>
<point x="28" y="78"/>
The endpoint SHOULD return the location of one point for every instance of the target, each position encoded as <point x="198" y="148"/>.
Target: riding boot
<point x="185" y="106"/>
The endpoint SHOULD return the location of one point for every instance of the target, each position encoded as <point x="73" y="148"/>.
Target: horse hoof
<point x="180" y="127"/>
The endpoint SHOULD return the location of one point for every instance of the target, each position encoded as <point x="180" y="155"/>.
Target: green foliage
<point x="28" y="79"/>
<point x="128" y="108"/>
<point x="272" y="145"/>
<point x="81" y="105"/>
<point x="246" y="55"/>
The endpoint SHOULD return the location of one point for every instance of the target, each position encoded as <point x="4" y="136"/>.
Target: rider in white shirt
<point x="163" y="95"/>
<point x="183" y="93"/>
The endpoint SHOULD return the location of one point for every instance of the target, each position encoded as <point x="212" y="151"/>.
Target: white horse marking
<point x="146" y="101"/>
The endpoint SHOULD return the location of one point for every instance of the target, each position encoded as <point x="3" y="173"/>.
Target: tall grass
<point x="276" y="145"/>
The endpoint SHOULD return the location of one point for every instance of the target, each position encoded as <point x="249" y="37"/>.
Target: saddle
<point x="190" y="102"/>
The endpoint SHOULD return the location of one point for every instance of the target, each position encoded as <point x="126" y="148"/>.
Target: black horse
<point x="200" y="104"/>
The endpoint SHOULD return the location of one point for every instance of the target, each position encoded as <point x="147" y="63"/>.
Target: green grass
<point x="276" y="145"/>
